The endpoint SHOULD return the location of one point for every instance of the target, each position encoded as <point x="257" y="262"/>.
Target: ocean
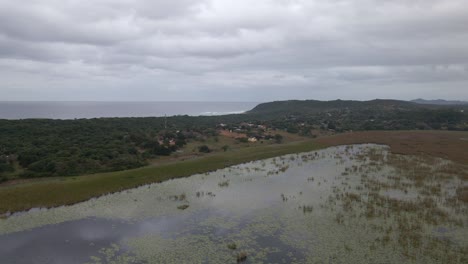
<point x="72" y="110"/>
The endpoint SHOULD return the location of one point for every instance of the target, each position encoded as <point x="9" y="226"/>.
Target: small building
<point x="252" y="139"/>
<point x="245" y="124"/>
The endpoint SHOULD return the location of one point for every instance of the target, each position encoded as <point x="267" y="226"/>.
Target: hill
<point x="315" y="106"/>
<point x="307" y="116"/>
<point x="438" y="102"/>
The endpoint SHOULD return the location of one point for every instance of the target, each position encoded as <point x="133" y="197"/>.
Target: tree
<point x="180" y="142"/>
<point x="243" y="139"/>
<point x="204" y="149"/>
<point x="5" y="165"/>
<point x="292" y="129"/>
<point x="278" y="138"/>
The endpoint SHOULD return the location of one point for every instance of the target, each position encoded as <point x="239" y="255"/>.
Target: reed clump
<point x="241" y="256"/>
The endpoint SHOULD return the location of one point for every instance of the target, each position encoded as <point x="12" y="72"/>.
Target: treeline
<point x="371" y="119"/>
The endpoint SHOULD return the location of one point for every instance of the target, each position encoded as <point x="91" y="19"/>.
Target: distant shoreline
<point x="67" y="110"/>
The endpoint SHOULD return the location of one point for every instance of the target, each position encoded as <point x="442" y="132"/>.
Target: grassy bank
<point x="69" y="190"/>
<point x="62" y="191"/>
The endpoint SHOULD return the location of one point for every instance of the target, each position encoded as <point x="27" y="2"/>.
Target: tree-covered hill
<point x="313" y="106"/>
<point x="341" y="115"/>
<point x="439" y="102"/>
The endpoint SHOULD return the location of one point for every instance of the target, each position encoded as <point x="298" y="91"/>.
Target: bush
<point x="292" y="129"/>
<point x="278" y="138"/>
<point x="43" y="166"/>
<point x="6" y="167"/>
<point x="3" y="178"/>
<point x="243" y="139"/>
<point x="204" y="149"/>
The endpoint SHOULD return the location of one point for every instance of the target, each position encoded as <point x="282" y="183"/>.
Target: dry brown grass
<point x="229" y="134"/>
<point x="462" y="194"/>
<point x="444" y="144"/>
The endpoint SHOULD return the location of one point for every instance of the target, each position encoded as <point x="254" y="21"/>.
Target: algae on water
<point x="349" y="204"/>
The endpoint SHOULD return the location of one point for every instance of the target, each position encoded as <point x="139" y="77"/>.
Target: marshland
<point x="345" y="204"/>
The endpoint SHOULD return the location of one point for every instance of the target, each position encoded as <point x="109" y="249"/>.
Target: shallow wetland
<point x="347" y="204"/>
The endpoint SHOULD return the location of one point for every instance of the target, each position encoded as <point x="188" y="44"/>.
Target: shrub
<point x="278" y="138"/>
<point x="204" y="149"/>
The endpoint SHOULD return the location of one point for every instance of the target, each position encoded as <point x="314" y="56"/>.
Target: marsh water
<point x="350" y="204"/>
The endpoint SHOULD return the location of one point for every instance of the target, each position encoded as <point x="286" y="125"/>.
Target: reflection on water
<point x="350" y="204"/>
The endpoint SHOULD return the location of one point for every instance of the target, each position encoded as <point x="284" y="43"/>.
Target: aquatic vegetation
<point x="387" y="208"/>
<point x="180" y="197"/>
<point x="307" y="208"/>
<point x="232" y="246"/>
<point x="112" y="254"/>
<point x="284" y="168"/>
<point x="183" y="206"/>
<point x="223" y="183"/>
<point x="241" y="256"/>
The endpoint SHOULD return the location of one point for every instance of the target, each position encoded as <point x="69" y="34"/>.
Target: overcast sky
<point x="233" y="50"/>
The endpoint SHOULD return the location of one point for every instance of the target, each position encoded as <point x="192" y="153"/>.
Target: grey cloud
<point x="210" y="49"/>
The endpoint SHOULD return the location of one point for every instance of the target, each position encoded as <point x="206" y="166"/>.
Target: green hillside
<point x="315" y="106"/>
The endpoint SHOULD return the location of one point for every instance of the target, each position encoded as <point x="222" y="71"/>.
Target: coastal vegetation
<point x="33" y="148"/>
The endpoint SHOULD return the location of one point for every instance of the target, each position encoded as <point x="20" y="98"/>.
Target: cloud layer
<point x="233" y="50"/>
